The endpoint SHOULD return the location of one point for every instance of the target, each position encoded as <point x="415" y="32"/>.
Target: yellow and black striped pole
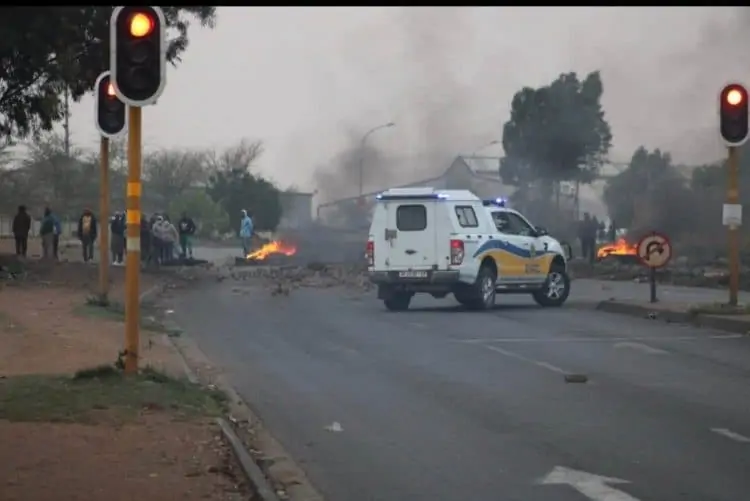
<point x="133" y="261"/>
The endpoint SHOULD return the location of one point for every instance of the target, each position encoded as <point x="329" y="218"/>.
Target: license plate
<point x="412" y="274"/>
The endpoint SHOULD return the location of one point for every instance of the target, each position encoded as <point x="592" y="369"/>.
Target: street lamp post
<point x="491" y="143"/>
<point x="362" y="152"/>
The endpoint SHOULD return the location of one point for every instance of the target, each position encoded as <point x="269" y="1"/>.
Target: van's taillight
<point x="370" y="253"/>
<point x="457" y="251"/>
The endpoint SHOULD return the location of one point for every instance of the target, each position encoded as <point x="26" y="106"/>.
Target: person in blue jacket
<point x="56" y="236"/>
<point x="246" y="231"/>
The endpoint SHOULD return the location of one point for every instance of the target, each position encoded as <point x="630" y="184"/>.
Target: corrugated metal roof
<point x="485" y="166"/>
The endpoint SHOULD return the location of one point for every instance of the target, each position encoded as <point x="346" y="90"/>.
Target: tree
<point x="45" y="50"/>
<point x="556" y="133"/>
<point x="171" y="172"/>
<point x="650" y="192"/>
<point x="209" y="216"/>
<point x="234" y="187"/>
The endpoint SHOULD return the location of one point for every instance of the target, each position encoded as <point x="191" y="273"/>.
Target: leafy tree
<point x="234" y="187"/>
<point x="556" y="133"/>
<point x="208" y="215"/>
<point x="649" y="192"/>
<point x="45" y="50"/>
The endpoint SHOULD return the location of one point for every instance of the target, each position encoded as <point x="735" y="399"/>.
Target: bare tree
<point x="241" y="156"/>
<point x="171" y="172"/>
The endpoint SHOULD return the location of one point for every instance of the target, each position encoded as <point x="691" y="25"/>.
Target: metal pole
<point x="362" y="163"/>
<point x="104" y="218"/>
<point x="133" y="259"/>
<point x="733" y="198"/>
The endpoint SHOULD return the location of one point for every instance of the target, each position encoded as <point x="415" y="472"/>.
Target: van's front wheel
<point x="556" y="288"/>
<point x="398" y="301"/>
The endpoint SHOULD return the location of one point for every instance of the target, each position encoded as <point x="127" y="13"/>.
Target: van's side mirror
<point x="541" y="231"/>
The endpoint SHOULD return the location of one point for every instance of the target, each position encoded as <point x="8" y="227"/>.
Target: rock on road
<point x="440" y="404"/>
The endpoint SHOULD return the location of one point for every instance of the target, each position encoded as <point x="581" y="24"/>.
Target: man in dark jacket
<point x="87" y="234"/>
<point x="117" y="230"/>
<point x="186" y="228"/>
<point x="21" y="229"/>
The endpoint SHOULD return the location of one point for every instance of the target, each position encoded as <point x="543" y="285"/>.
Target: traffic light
<point x="110" y="111"/>
<point x="733" y="114"/>
<point x="138" y="54"/>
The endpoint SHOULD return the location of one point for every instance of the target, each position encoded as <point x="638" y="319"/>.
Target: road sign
<point x="654" y="250"/>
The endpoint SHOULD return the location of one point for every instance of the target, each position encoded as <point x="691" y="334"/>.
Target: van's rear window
<point x="411" y="217"/>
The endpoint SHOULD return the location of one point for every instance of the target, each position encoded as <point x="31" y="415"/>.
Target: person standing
<point x="117" y="231"/>
<point x="87" y="234"/>
<point x="246" y="231"/>
<point x="56" y="235"/>
<point x="186" y="228"/>
<point x="21" y="229"/>
<point x="587" y="237"/>
<point x="47" y="232"/>
<point x="171" y="237"/>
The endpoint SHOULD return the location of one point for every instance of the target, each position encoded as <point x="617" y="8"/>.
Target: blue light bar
<point x="496" y="202"/>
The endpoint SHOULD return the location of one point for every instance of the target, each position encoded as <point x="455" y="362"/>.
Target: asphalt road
<point x="440" y="404"/>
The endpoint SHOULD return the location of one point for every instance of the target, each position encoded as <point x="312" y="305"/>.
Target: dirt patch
<point x="41" y="334"/>
<point x="99" y="435"/>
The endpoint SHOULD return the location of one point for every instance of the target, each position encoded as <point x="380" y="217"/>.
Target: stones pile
<point x="282" y="279"/>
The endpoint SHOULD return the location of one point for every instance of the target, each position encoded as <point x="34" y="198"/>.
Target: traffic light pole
<point x="133" y="260"/>
<point x="104" y="218"/>
<point x="733" y="198"/>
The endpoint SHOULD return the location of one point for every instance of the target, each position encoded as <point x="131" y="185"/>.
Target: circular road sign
<point x="654" y="250"/>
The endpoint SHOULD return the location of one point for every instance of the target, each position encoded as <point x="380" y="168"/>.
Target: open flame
<point x="274" y="247"/>
<point x="619" y="248"/>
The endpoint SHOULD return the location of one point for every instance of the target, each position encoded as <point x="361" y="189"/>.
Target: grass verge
<point x="91" y="394"/>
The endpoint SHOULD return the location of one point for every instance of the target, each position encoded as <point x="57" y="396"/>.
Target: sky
<point x="309" y="82"/>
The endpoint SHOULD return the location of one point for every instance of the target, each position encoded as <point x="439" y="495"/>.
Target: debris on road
<point x="576" y="378"/>
<point x="334" y="427"/>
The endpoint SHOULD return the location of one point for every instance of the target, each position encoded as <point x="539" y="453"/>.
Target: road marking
<point x="592" y="486"/>
<point x="417" y="325"/>
<point x="731" y="435"/>
<point x="641" y="347"/>
<point x="522" y="358"/>
<point x="593" y="339"/>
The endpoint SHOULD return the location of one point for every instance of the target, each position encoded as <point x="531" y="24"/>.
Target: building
<point x="479" y="174"/>
<point x="296" y="209"/>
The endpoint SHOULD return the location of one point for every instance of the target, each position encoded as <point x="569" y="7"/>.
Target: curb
<point x="717" y="322"/>
<point x="258" y="481"/>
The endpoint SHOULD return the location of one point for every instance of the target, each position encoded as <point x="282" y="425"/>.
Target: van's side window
<point x="411" y="218"/>
<point x="467" y="218"/>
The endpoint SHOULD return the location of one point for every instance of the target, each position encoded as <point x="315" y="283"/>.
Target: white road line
<point x="528" y="360"/>
<point x="641" y="347"/>
<point x="731" y="435"/>
<point x="417" y="325"/>
<point x="594" y="339"/>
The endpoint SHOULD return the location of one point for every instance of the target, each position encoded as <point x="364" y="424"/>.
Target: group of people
<point x="159" y="237"/>
<point x="589" y="230"/>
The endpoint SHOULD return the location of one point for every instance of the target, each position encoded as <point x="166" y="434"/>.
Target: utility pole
<point x="362" y="153"/>
<point x="66" y="123"/>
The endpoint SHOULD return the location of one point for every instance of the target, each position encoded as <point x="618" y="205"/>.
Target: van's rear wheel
<point x="556" y="288"/>
<point x="398" y="301"/>
<point x="482" y="291"/>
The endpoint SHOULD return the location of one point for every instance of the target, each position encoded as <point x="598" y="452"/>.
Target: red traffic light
<point x="733" y="114"/>
<point x="141" y="25"/>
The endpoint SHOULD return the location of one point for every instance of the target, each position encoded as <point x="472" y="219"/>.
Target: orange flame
<point x="619" y="248"/>
<point x="275" y="247"/>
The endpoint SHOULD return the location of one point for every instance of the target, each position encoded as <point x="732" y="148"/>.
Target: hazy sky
<point x="305" y="79"/>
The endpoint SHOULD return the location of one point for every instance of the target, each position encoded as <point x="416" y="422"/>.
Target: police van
<point x="444" y="242"/>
